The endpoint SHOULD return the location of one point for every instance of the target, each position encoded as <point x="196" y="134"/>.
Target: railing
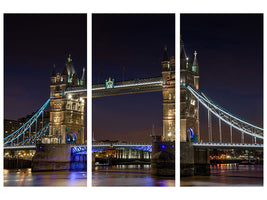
<point x="132" y="83"/>
<point x="227" y="117"/>
<point x="16" y="134"/>
<point x="228" y="145"/>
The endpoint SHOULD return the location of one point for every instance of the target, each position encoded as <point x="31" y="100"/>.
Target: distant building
<point x="12" y="125"/>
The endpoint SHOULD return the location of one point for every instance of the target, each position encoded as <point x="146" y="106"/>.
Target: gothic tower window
<point x="73" y="106"/>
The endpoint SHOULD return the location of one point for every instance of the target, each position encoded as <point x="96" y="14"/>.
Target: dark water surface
<point x="128" y="175"/>
<point x="25" y="177"/>
<point x="228" y="175"/>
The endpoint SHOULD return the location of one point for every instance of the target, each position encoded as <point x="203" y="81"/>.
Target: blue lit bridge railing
<point x="230" y="119"/>
<point x="218" y="145"/>
<point x="140" y="147"/>
<point x="21" y="131"/>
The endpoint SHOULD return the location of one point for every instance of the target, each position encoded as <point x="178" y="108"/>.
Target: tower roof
<point x="195" y="63"/>
<point x="165" y="56"/>
<point x="54" y="71"/>
<point x="69" y="66"/>
<point x="83" y="76"/>
<point x="182" y="50"/>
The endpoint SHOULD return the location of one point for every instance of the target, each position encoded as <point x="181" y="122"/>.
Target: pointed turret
<point x="165" y="56"/>
<point x="65" y="75"/>
<point x="75" y="79"/>
<point x="54" y="71"/>
<point x="165" y="61"/>
<point x="70" y="67"/>
<point x="195" y="63"/>
<point x="83" y="77"/>
<point x="65" y="71"/>
<point x="182" y="50"/>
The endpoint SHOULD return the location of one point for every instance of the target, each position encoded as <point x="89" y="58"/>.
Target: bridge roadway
<point x="74" y="148"/>
<point x="214" y="145"/>
<point x="128" y="87"/>
<point x="147" y="147"/>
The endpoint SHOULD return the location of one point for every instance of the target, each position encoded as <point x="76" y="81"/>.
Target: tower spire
<point x="83" y="76"/>
<point x="69" y="58"/>
<point x="165" y="56"/>
<point x="54" y="70"/>
<point x="195" y="63"/>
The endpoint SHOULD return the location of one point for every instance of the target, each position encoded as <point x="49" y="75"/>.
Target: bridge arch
<point x="71" y="138"/>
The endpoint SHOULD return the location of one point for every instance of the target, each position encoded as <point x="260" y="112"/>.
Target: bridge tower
<point x="168" y="92"/>
<point x="66" y="111"/>
<point x="189" y="106"/>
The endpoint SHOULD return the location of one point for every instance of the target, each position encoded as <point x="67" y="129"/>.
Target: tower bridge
<point x="67" y="101"/>
<point x="67" y="109"/>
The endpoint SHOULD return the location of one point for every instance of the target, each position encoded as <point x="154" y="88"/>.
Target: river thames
<point x="228" y="175"/>
<point x="128" y="175"/>
<point x="25" y="177"/>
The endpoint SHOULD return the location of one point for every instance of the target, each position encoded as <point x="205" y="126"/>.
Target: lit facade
<point x="189" y="106"/>
<point x="168" y="92"/>
<point x="66" y="110"/>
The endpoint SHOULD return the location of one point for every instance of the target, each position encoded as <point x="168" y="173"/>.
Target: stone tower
<point x="189" y="106"/>
<point x="66" y="110"/>
<point x="168" y="92"/>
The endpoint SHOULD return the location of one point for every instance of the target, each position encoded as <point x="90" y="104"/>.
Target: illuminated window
<point x="170" y="96"/>
<point x="73" y="106"/>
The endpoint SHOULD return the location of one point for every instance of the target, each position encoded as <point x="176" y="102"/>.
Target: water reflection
<point x="128" y="175"/>
<point x="24" y="177"/>
<point x="228" y="175"/>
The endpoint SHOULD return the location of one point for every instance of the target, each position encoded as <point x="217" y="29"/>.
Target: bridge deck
<point x="128" y="87"/>
<point x="211" y="145"/>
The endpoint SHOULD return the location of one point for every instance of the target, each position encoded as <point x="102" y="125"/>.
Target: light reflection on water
<point x="25" y="177"/>
<point x="228" y="175"/>
<point x="128" y="175"/>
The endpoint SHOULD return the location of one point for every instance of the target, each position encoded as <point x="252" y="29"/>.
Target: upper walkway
<point x="128" y="87"/>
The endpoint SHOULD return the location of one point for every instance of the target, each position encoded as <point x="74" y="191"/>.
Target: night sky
<point x="230" y="58"/>
<point x="32" y="44"/>
<point x="134" y="42"/>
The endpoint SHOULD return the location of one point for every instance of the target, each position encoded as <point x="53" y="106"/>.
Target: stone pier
<point x="193" y="161"/>
<point x="163" y="158"/>
<point x="52" y="157"/>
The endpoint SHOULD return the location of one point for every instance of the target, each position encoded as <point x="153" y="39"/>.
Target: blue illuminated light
<point x="53" y="147"/>
<point x="163" y="146"/>
<point x="41" y="147"/>
<point x="172" y="146"/>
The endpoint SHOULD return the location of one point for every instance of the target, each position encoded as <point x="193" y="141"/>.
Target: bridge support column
<point x="201" y="162"/>
<point x="193" y="161"/>
<point x="163" y="158"/>
<point x="231" y="134"/>
<point x="255" y="140"/>
<point x="209" y="126"/>
<point x="186" y="159"/>
<point x="220" y="129"/>
<point x="242" y="137"/>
